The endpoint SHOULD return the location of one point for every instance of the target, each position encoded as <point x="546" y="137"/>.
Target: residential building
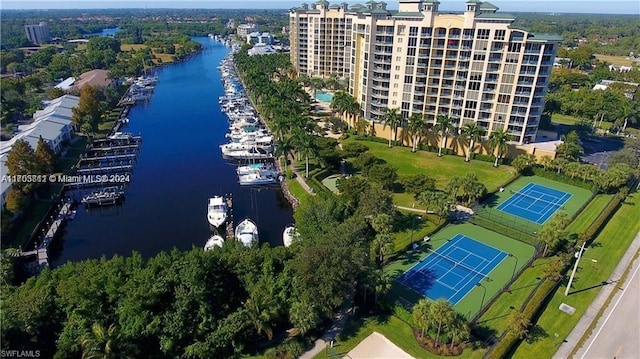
<point x="262" y="38"/>
<point x="473" y="66"/>
<point x="38" y="34"/>
<point x="245" y="29"/>
<point x="54" y="124"/>
<point x="629" y="89"/>
<point x="95" y="78"/>
<point x="321" y="38"/>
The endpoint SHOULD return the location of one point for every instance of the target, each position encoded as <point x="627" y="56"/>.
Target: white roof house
<point x="66" y="84"/>
<point x="604" y="84"/>
<point x="54" y="124"/>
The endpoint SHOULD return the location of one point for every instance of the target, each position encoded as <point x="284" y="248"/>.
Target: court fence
<point x="505" y="288"/>
<point x="508" y="225"/>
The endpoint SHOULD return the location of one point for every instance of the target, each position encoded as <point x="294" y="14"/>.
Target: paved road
<point x="617" y="334"/>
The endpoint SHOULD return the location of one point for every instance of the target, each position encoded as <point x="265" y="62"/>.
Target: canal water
<point x="179" y="167"/>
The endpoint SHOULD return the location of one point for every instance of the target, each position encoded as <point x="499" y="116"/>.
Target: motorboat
<point x="105" y="197"/>
<point x="229" y="149"/>
<point x="250" y="154"/>
<point x="257" y="178"/>
<point x="247" y="232"/>
<point x="244" y="170"/>
<point x="217" y="211"/>
<point x="289" y="235"/>
<point x="214" y="241"/>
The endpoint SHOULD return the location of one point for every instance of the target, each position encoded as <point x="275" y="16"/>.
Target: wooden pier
<point x="42" y="249"/>
<point x="230" y="228"/>
<point x="102" y="170"/>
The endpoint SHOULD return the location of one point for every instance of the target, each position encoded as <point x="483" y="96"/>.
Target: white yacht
<point x="289" y="235"/>
<point x="217" y="211"/>
<point x="248" y="154"/>
<point x="214" y="241"/>
<point x="247" y="232"/>
<point x="244" y="170"/>
<point x="267" y="174"/>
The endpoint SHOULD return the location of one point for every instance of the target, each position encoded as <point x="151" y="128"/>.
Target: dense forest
<point x="608" y="34"/>
<point x="134" y="23"/>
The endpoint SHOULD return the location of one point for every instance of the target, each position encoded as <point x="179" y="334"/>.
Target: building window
<point x="397" y="67"/>
<point x="401" y="29"/>
<point x="483" y="34"/>
<point x="499" y="35"/>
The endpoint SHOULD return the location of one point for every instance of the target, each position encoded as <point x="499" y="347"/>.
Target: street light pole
<point x="413" y="225"/>
<point x="575" y="267"/>
<point x="515" y="266"/>
<point x="484" y="292"/>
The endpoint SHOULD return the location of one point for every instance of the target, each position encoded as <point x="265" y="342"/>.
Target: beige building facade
<point x="473" y="66"/>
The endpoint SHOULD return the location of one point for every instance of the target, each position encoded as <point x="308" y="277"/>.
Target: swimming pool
<point x="324" y="96"/>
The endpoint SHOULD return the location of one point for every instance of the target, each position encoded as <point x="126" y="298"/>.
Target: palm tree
<point x="283" y="147"/>
<point x="382" y="284"/>
<point x="260" y="317"/>
<point x="391" y="118"/>
<point x="628" y="112"/>
<point x="458" y="329"/>
<point x="382" y="244"/>
<point x="100" y="342"/>
<point x="421" y="314"/>
<point x="353" y="108"/>
<point x="306" y="146"/>
<point x="426" y="198"/>
<point x="444" y="126"/>
<point x="416" y="126"/>
<point x="443" y="313"/>
<point x="340" y="102"/>
<point x="473" y="133"/>
<point x="498" y="141"/>
<point x="316" y="84"/>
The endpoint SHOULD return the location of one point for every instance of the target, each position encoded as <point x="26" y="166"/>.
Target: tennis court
<point x="535" y="202"/>
<point x="454" y="269"/>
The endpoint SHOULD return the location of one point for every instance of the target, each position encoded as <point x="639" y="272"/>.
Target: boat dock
<point x="107" y="162"/>
<point x="229" y="227"/>
<point x="49" y="232"/>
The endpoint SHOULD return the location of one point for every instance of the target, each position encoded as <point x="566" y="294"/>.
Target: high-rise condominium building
<point x="473" y="66"/>
<point x="38" y="34"/>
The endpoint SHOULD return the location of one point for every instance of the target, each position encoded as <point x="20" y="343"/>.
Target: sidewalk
<point x="592" y="312"/>
<point x="339" y="320"/>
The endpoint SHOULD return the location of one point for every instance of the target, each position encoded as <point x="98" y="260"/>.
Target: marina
<point x="172" y="176"/>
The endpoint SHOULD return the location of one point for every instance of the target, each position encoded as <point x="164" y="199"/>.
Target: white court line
<point x="561" y="201"/>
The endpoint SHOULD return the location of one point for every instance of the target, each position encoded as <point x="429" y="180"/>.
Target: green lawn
<point x="559" y="118"/>
<point x="494" y="321"/>
<point x="470" y="304"/>
<point x="416" y="229"/>
<point x="441" y="168"/>
<point x="590" y="213"/>
<point x="578" y="198"/>
<point x="396" y="330"/>
<point x="607" y="249"/>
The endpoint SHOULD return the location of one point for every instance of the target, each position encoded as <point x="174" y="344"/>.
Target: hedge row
<point x="553" y="175"/>
<point x="595" y="227"/>
<point x="509" y="340"/>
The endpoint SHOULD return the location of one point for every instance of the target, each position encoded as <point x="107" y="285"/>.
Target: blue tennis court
<point x="453" y="270"/>
<point x="535" y="203"/>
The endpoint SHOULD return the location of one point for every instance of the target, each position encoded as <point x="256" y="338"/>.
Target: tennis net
<point x="460" y="264"/>
<point x="557" y="203"/>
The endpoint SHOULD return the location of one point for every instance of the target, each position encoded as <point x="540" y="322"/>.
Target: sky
<point x="565" y="6"/>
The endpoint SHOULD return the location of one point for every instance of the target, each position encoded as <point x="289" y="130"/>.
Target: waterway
<point x="179" y="167"/>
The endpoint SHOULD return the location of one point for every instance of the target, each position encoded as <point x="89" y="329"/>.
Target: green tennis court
<point x="516" y="256"/>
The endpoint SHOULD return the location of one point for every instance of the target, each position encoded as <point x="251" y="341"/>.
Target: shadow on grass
<point x="602" y="284"/>
<point x="536" y="334"/>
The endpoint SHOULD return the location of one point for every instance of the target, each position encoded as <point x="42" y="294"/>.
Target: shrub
<point x="509" y="340"/>
<point x="553" y="175"/>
